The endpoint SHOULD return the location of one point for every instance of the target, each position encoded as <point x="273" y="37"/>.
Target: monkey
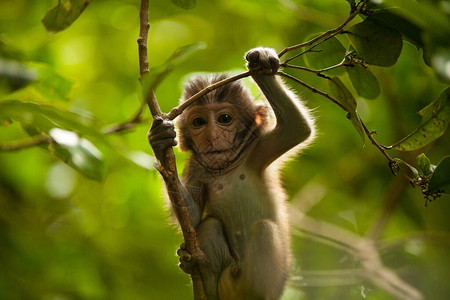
<point x="230" y="182"/>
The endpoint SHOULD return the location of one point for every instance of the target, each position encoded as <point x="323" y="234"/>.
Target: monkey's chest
<point x="239" y="199"/>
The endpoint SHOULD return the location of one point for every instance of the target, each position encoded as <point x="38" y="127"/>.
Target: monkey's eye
<point x="225" y="119"/>
<point x="197" y="122"/>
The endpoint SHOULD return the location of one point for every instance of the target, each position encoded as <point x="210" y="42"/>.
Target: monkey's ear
<point x="261" y="115"/>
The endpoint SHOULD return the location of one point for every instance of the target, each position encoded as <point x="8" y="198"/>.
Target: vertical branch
<point x="143" y="57"/>
<point x="169" y="170"/>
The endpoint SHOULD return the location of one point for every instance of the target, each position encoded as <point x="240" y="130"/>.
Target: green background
<point x="63" y="236"/>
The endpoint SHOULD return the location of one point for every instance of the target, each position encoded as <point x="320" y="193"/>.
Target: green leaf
<point x="331" y="52"/>
<point x="10" y="52"/>
<point x="435" y="120"/>
<point x="364" y="82"/>
<point x="152" y="79"/>
<point x="423" y="14"/>
<point x="186" y="4"/>
<point x="406" y="169"/>
<point x="392" y="18"/>
<point x="377" y="44"/>
<point x="51" y="84"/>
<point x="45" y="117"/>
<point x="343" y="96"/>
<point x="63" y="14"/>
<point x="77" y="152"/>
<point x="440" y="180"/>
<point x="424" y="164"/>
<point x="181" y="54"/>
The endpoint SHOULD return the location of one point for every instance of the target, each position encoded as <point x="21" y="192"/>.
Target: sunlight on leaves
<point x="152" y="79"/>
<point x="435" y="120"/>
<point x="377" y="44"/>
<point x="440" y="181"/>
<point x="406" y="169"/>
<point x="63" y="14"/>
<point x="330" y="53"/>
<point x="392" y="18"/>
<point x="343" y="95"/>
<point x="78" y="152"/>
<point x="364" y="82"/>
<point x="425" y="166"/>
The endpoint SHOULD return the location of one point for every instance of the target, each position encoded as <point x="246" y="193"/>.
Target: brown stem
<point x="314" y="90"/>
<point x="368" y="133"/>
<point x="169" y="170"/>
<point x="317" y="72"/>
<point x="326" y="33"/>
<point x="25" y="143"/>
<point x="179" y="109"/>
<point x="376" y="144"/>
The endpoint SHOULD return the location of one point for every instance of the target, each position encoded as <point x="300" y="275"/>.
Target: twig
<point x="314" y="90"/>
<point x="179" y="109"/>
<point x="326" y="33"/>
<point x="368" y="133"/>
<point x="25" y="143"/>
<point x="365" y="250"/>
<point x="376" y="144"/>
<point x="169" y="170"/>
<point x="317" y="72"/>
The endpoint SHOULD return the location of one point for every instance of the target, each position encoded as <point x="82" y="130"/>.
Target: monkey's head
<point x="219" y="126"/>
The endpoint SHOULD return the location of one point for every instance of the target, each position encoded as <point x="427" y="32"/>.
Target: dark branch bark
<point x="169" y="170"/>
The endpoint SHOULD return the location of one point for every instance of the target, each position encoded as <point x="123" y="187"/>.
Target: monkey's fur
<point x="231" y="184"/>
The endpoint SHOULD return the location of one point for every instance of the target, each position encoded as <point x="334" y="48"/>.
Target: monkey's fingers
<point x="161" y="133"/>
<point x="184" y="255"/>
<point x="157" y="121"/>
<point x="163" y="144"/>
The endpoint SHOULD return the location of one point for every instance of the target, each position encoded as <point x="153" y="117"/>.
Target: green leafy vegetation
<point x="82" y="213"/>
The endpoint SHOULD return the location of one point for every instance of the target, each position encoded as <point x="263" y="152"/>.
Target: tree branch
<point x="179" y="109"/>
<point x="336" y="30"/>
<point x="25" y="143"/>
<point x="364" y="249"/>
<point x="169" y="170"/>
<point x="314" y="90"/>
<point x="369" y="134"/>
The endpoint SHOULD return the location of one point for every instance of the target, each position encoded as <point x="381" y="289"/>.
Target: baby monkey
<point x="231" y="184"/>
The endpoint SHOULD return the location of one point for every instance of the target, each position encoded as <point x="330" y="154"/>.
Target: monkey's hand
<point x="262" y="61"/>
<point x="186" y="264"/>
<point x="161" y="136"/>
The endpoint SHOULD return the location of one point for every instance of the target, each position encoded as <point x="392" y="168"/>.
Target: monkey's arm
<point x="162" y="136"/>
<point x="293" y="122"/>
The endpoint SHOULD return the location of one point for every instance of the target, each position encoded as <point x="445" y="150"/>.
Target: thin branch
<point x="179" y="109"/>
<point x="317" y="72"/>
<point x="25" y="143"/>
<point x="169" y="169"/>
<point x="144" y="27"/>
<point x="314" y="90"/>
<point x="376" y="144"/>
<point x="368" y="133"/>
<point x="365" y="250"/>
<point x="358" y="9"/>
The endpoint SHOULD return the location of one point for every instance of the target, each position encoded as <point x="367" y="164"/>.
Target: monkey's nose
<point x="211" y="133"/>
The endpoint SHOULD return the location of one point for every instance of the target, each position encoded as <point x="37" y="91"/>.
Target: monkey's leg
<point x="266" y="265"/>
<point x="211" y="239"/>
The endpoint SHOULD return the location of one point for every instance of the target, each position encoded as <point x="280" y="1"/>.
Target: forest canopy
<point x="82" y="211"/>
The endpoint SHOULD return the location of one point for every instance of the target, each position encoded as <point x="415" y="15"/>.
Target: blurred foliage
<point x="64" y="236"/>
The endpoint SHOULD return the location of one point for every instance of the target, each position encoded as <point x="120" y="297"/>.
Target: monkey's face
<point x="214" y="129"/>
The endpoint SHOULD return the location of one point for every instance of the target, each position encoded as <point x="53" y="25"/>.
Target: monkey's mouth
<point x="217" y="155"/>
<point x="216" y="152"/>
